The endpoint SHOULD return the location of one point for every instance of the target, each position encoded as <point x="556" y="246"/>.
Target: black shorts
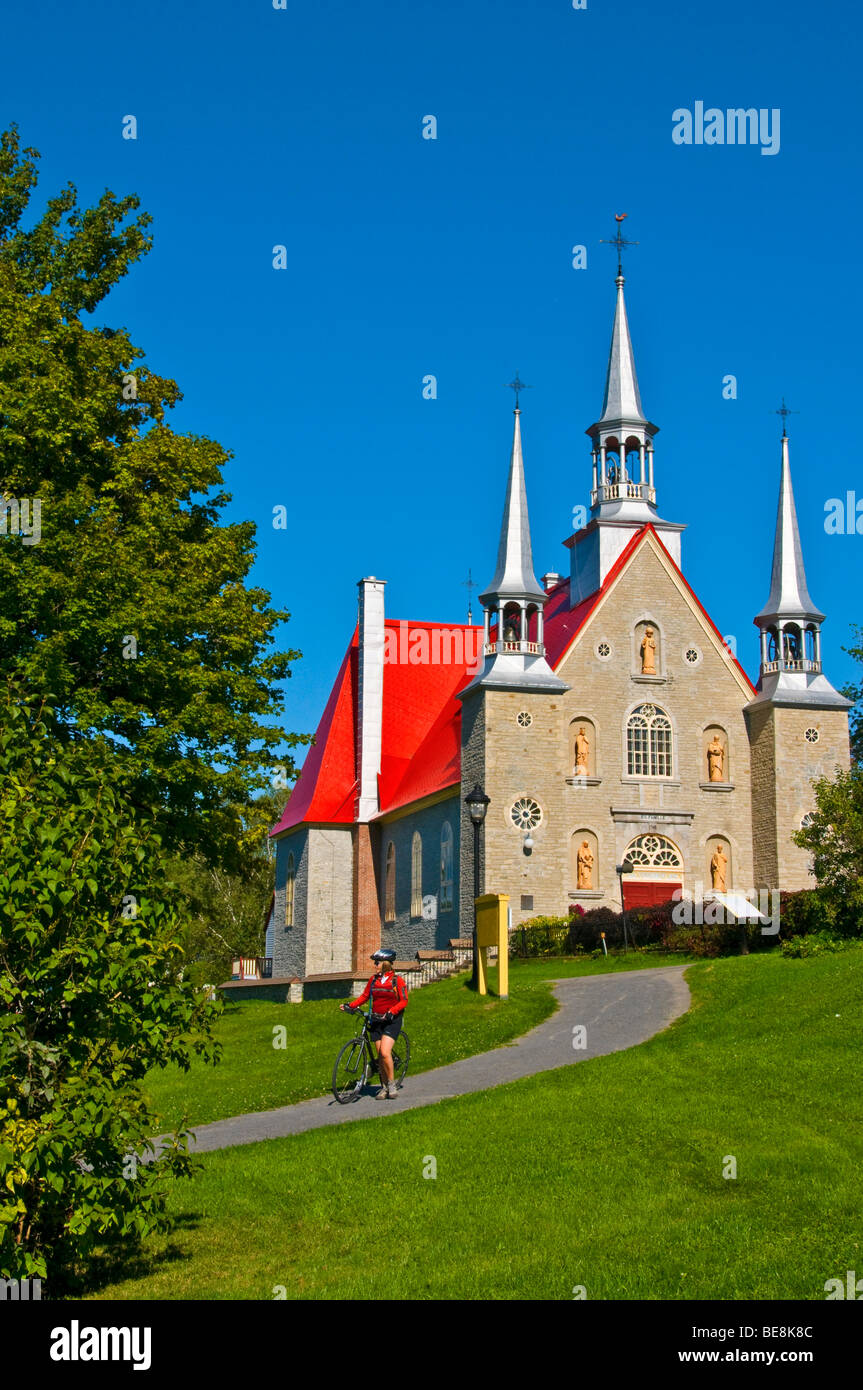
<point x="389" y="1030"/>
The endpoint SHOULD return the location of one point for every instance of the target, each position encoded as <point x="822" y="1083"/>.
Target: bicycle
<point x="357" y="1062"/>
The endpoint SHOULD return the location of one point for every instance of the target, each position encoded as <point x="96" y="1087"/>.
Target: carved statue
<point x="716" y="759"/>
<point x="648" y="653"/>
<point x="582" y="754"/>
<point x="718" y="866"/>
<point x="585" y="866"/>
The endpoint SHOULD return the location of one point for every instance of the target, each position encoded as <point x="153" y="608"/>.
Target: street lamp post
<point x="624" y="868"/>
<point x="477" y="803"/>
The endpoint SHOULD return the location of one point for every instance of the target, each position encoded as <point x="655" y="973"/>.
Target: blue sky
<point x="452" y="257"/>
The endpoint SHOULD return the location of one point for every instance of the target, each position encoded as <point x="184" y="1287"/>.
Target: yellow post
<point x="491" y="915"/>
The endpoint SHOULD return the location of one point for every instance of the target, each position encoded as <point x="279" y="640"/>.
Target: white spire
<point x="790" y="624"/>
<point x="514" y="576"/>
<point x="514" y="600"/>
<point x="789" y="595"/>
<point x="622" y="400"/>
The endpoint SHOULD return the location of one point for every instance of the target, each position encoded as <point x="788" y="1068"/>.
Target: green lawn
<point x="444" y="1021"/>
<point x="606" y="1174"/>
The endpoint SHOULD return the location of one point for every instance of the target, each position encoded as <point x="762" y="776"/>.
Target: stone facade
<point x="320" y="940"/>
<point x="407" y="933"/>
<point x="785" y="762"/>
<point x="609" y="807"/>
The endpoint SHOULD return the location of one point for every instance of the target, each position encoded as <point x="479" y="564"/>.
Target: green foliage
<point x="855" y="692"/>
<point x="132" y="544"/>
<point x="228" y="907"/>
<point x="834" y="838"/>
<point x="815" y="944"/>
<point x="91" y="998"/>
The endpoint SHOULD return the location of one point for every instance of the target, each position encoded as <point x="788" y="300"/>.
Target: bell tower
<point x="623" y="487"/>
<point x="798" y="723"/>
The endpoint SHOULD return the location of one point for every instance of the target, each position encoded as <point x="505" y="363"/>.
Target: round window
<point x="603" y="650"/>
<point x="526" y="813"/>
<point x="812" y="735"/>
<point x="524" y="719"/>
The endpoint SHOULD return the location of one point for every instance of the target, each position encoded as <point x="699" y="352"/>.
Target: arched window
<point x="390" y="910"/>
<point x="648" y="743"/>
<point x="416" y="875"/>
<point x="446" y="867"/>
<point x="653" y="852"/>
<point x="289" y="893"/>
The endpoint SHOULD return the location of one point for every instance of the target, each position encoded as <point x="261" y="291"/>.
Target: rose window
<point x="812" y="735"/>
<point x="526" y="813"/>
<point x="525" y="719"/>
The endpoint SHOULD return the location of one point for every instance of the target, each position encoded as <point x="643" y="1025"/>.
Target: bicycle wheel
<point x="350" y="1071"/>
<point x="401" y="1057"/>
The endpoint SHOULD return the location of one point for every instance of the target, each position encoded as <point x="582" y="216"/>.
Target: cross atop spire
<point x="516" y="385"/>
<point x="785" y="412"/>
<point x="514" y="600"/>
<point x="791" y="671"/>
<point x="619" y="240"/>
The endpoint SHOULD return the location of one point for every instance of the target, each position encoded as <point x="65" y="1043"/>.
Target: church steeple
<point x="790" y="623"/>
<point x="623" y="493"/>
<point x="622" y="437"/>
<point x="514" y="577"/>
<point x="514" y="600"/>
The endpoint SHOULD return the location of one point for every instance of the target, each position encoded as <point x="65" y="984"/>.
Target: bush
<point x="815" y="944"/>
<point x="91" y="997"/>
<point x="541" y="936"/>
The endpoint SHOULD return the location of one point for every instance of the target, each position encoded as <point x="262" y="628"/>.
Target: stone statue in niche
<point x="648" y="653"/>
<point x="585" y="866"/>
<point x="718" y="866"/>
<point x="582" y="754"/>
<point x="716" y="759"/>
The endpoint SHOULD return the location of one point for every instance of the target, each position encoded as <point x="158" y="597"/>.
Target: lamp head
<point x="477" y="803"/>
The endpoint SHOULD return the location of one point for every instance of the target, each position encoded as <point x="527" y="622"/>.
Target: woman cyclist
<point x="389" y="997"/>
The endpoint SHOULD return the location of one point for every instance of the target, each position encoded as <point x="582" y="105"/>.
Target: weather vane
<point x="785" y="412"/>
<point x="517" y="386"/>
<point x="619" y="241"/>
<point x="469" y="583"/>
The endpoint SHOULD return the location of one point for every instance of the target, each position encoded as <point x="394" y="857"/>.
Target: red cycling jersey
<point x="388" y="991"/>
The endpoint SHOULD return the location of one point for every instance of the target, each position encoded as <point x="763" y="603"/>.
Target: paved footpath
<point x="617" y="1011"/>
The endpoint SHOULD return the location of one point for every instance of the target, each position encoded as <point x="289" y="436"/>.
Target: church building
<point x="600" y="711"/>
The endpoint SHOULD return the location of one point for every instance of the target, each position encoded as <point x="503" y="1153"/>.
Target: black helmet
<point x="381" y="956"/>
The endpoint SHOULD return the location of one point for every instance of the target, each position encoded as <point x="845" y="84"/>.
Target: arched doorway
<point x="657" y="870"/>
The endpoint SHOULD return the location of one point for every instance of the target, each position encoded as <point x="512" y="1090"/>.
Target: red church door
<point x="640" y="894"/>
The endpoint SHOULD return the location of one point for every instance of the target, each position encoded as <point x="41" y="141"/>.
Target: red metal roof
<point x="421" y="751"/>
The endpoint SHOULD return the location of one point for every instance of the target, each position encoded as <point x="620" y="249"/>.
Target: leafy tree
<point x="228" y="910"/>
<point x="834" y="837"/>
<point x="91" y="997"/>
<point x="132" y="609"/>
<point x="855" y="692"/>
